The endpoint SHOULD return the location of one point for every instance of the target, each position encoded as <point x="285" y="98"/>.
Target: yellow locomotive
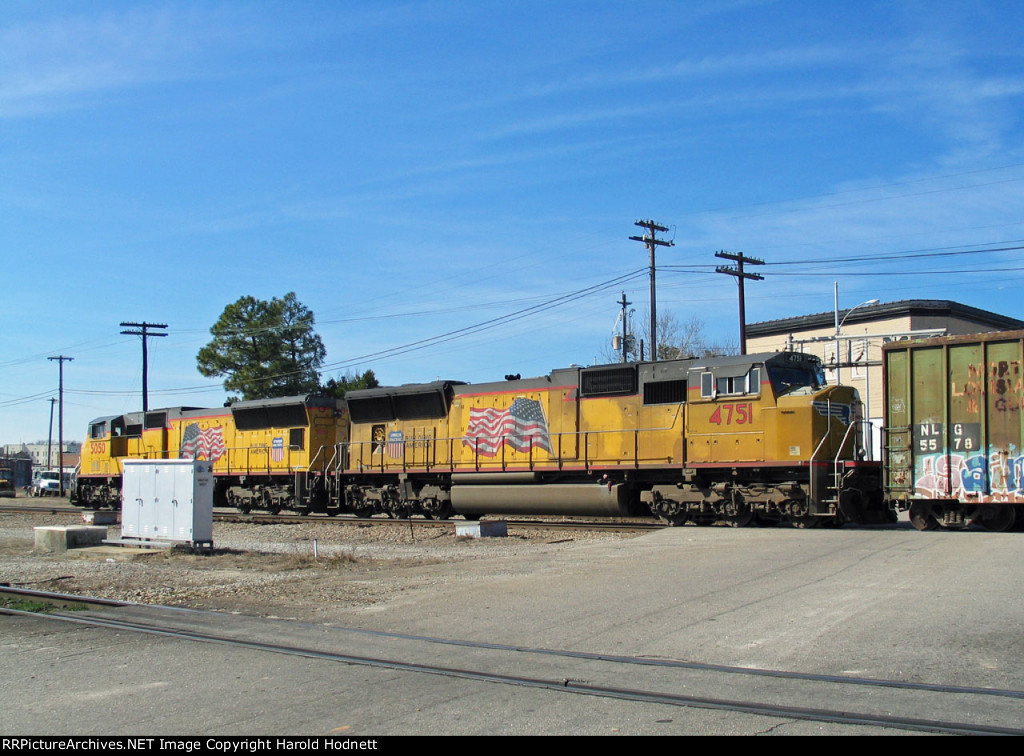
<point x="726" y="439"/>
<point x="722" y="439"/>
<point x="266" y="454"/>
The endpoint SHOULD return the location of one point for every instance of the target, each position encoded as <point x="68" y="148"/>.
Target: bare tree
<point x="677" y="339"/>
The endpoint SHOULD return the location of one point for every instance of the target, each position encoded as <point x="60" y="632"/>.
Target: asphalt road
<point x="886" y="603"/>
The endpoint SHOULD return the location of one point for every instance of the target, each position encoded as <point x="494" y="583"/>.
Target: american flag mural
<point x="396" y="444"/>
<point x="521" y="426"/>
<point x="206" y="443"/>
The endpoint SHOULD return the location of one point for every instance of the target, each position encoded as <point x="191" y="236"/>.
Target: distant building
<point x="859" y="337"/>
<point x="43" y="454"/>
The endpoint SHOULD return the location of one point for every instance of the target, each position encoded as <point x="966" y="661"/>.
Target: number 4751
<point x="740" y="414"/>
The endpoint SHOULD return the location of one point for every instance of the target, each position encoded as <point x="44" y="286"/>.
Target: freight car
<point x="954" y="448"/>
<point x="728" y="439"/>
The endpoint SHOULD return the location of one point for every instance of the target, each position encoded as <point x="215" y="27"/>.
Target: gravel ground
<point x="302" y="571"/>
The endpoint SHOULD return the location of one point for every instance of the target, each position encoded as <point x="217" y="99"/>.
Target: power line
<point x="432" y="340"/>
<point x="908" y="255"/>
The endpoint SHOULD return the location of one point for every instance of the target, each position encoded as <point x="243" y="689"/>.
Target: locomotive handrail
<point x="839" y="453"/>
<point x="315" y="457"/>
<point x="501" y="461"/>
<point x="731" y="433"/>
<point x="825" y="436"/>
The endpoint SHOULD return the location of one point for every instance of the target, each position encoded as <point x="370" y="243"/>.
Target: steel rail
<point x="565" y="685"/>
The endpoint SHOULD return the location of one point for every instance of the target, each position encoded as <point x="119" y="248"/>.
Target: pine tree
<point x="265" y="349"/>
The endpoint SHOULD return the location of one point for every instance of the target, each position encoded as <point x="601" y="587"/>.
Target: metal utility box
<point x="168" y="499"/>
<point x="954" y="427"/>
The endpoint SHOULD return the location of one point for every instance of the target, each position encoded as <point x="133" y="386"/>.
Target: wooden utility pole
<point x="650" y="242"/>
<point x="49" y="437"/>
<point x="61" y="359"/>
<point x="625" y="326"/>
<point x="740" y="275"/>
<point x="144" y="333"/>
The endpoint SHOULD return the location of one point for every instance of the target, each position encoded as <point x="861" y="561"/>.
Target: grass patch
<point x="27" y="605"/>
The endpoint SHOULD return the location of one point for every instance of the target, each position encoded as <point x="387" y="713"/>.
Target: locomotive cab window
<point x="713" y="386"/>
<point x="296" y="438"/>
<point x="786" y="379"/>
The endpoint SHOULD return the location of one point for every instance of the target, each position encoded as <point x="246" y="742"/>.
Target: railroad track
<point x="779" y="694"/>
<point x="266" y="518"/>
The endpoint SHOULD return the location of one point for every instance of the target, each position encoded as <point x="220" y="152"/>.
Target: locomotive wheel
<point x="997" y="519"/>
<point x="674" y="521"/>
<point x="806" y="521"/>
<point x="444" y="511"/>
<point x="739" y="520"/>
<point x="922" y="519"/>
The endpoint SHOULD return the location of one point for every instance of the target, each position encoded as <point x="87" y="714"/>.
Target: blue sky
<point x="410" y="169"/>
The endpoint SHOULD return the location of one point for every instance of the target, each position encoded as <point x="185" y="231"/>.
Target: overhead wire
<point x="429" y="341"/>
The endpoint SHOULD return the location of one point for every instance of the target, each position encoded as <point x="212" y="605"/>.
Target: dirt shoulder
<point x="307" y="571"/>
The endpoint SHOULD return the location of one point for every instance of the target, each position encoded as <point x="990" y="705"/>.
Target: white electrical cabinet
<point x="168" y="499"/>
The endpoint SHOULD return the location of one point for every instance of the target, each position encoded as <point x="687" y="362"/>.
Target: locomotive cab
<point x="97" y="484"/>
<point x="768" y="440"/>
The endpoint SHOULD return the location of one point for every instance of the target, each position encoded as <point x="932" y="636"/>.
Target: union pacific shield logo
<point x="396" y="444"/>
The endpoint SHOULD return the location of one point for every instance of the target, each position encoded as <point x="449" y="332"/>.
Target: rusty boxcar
<point x="954" y="441"/>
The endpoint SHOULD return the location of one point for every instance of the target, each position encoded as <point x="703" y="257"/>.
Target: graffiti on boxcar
<point x="1002" y="379"/>
<point x="1005" y="385"/>
<point x="998" y="476"/>
<point x="971" y="389"/>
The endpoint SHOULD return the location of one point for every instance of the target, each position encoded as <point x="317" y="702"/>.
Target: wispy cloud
<point x="62" y="62"/>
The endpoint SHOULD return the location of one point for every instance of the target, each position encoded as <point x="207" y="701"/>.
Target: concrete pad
<point x="105" y="517"/>
<point x="112" y="553"/>
<point x="138" y="543"/>
<point x="61" y="538"/>
<point x="481" y="529"/>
